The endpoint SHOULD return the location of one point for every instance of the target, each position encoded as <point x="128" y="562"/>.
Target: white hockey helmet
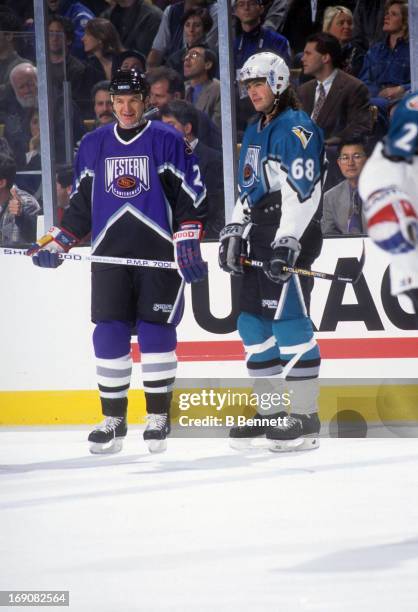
<point x="269" y="66"/>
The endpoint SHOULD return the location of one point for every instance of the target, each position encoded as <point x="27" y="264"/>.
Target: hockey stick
<point x="311" y="273"/>
<point x="171" y="265"/>
<point x="120" y="261"/>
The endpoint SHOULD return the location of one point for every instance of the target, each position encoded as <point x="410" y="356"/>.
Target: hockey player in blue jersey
<point x="276" y="220"/>
<point x="389" y="188"/>
<point x="139" y="192"/>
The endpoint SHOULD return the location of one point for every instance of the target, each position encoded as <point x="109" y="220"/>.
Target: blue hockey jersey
<point x="133" y="195"/>
<point x="285" y="158"/>
<point x="402" y="138"/>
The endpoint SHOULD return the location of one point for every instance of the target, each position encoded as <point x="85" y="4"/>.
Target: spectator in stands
<point x="79" y="15"/>
<point x="102" y="102"/>
<point x="305" y="18"/>
<point x="342" y="210"/>
<point x="337" y="101"/>
<point x="386" y="70"/>
<point x="9" y="58"/>
<point x="129" y="59"/>
<point x="183" y="116"/>
<point x="18" y="209"/>
<point x="203" y="90"/>
<point x="338" y="21"/>
<point x="64" y="66"/>
<point x="63" y="184"/>
<point x="30" y="178"/>
<point x="197" y="23"/>
<point x="24" y="81"/>
<point x="252" y="36"/>
<point x="101" y="44"/>
<point x="35" y="140"/>
<point x="367" y="25"/>
<point x="170" y="36"/>
<point x="167" y="85"/>
<point x="275" y="14"/>
<point x="63" y="181"/>
<point x="137" y="22"/>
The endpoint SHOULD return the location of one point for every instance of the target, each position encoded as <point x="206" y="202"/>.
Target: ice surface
<point x="203" y="528"/>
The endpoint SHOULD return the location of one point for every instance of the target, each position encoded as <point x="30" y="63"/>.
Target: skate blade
<point x="300" y="444"/>
<point x="106" y="448"/>
<point x="156" y="446"/>
<point x="243" y="444"/>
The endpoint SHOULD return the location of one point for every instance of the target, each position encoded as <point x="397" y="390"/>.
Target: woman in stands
<point x="338" y="21"/>
<point x="197" y="22"/>
<point x="101" y="43"/>
<point x="386" y="70"/>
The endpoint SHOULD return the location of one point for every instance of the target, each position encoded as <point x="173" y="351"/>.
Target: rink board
<point x="377" y="404"/>
<point x="48" y="370"/>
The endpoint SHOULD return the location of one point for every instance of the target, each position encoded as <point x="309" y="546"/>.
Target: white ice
<point x="203" y="528"/>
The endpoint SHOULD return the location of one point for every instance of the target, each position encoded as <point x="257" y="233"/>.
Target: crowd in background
<point x="349" y="64"/>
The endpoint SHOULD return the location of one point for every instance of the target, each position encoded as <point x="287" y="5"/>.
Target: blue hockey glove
<point x="285" y="253"/>
<point x="392" y="221"/>
<point x="187" y="248"/>
<point x="231" y="249"/>
<point x="45" y="251"/>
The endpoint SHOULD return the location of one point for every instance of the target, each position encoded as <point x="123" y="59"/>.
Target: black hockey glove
<point x="232" y="248"/>
<point x="285" y="253"/>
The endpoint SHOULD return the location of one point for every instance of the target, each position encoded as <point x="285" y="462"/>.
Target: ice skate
<point x="295" y="433"/>
<point x="242" y="437"/>
<point x="156" y="432"/>
<point x="107" y="438"/>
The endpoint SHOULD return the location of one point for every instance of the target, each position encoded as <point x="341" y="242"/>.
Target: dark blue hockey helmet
<point x="127" y="82"/>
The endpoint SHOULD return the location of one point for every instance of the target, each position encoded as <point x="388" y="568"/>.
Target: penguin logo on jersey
<point x="126" y="177"/>
<point x="303" y="134"/>
<point x="251" y="169"/>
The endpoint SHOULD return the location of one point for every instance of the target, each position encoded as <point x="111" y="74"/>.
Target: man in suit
<point x="342" y="212"/>
<point x="203" y="90"/>
<point x="338" y="102"/>
<point x="166" y="85"/>
<point x="183" y="116"/>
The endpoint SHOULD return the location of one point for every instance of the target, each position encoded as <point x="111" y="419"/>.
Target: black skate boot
<point x="108" y="437"/>
<point x="156" y="432"/>
<point x="295" y="432"/>
<point x="242" y="436"/>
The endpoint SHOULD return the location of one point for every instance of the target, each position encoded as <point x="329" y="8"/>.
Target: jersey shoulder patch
<point x="412" y="103"/>
<point x="303" y="134"/>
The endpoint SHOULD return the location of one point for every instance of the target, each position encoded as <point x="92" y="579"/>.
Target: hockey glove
<point x="189" y="259"/>
<point x="45" y="251"/>
<point x="232" y="248"/>
<point x="392" y="221"/>
<point x="285" y="252"/>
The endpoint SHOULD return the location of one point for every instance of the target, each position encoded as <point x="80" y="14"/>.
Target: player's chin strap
<point x="271" y="114"/>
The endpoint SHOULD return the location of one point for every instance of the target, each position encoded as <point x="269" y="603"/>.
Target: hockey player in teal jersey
<point x="276" y="220"/>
